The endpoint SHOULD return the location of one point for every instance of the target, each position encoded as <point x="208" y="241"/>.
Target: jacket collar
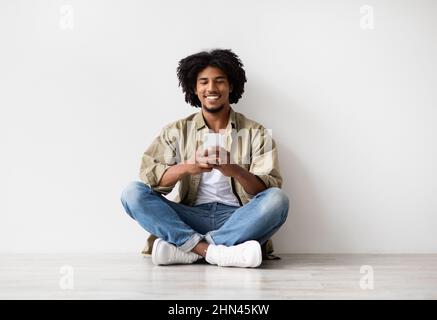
<point x="200" y="121"/>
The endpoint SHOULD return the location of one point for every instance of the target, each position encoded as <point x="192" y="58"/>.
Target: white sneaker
<point x="164" y="253"/>
<point x="245" y="255"/>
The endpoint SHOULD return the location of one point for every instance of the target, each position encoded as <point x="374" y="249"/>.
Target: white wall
<point x="353" y="111"/>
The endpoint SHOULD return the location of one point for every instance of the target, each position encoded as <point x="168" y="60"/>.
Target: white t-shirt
<point x="215" y="187"/>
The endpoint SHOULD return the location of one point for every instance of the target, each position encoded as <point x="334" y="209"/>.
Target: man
<point x="227" y="169"/>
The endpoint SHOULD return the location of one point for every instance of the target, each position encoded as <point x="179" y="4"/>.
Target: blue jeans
<point x="216" y="223"/>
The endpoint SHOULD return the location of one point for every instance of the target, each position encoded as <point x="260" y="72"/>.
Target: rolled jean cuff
<point x="208" y="238"/>
<point x="191" y="243"/>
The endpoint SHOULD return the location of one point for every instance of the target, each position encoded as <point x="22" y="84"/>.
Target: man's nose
<point x="211" y="86"/>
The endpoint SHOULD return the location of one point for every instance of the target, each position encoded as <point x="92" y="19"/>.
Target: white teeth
<point x="212" y="97"/>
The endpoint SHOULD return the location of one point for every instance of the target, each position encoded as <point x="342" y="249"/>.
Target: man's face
<point x="212" y="89"/>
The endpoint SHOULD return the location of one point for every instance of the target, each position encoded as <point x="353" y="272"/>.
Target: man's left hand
<point x="223" y="161"/>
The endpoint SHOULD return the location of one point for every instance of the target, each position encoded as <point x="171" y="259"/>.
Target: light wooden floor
<point x="130" y="276"/>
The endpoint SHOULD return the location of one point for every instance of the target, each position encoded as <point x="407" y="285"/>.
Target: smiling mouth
<point x="212" y="97"/>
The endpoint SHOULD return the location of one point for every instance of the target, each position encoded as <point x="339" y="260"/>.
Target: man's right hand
<point x="201" y="162"/>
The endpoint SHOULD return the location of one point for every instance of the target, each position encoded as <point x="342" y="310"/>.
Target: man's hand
<point x="200" y="162"/>
<point x="205" y="161"/>
<point x="221" y="160"/>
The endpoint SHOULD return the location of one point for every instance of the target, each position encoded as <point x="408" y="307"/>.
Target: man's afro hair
<point x="224" y="59"/>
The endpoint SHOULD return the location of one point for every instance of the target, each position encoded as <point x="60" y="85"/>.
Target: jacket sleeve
<point x="158" y="157"/>
<point x="264" y="159"/>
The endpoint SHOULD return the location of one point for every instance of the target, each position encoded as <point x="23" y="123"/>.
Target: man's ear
<point x="231" y="88"/>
